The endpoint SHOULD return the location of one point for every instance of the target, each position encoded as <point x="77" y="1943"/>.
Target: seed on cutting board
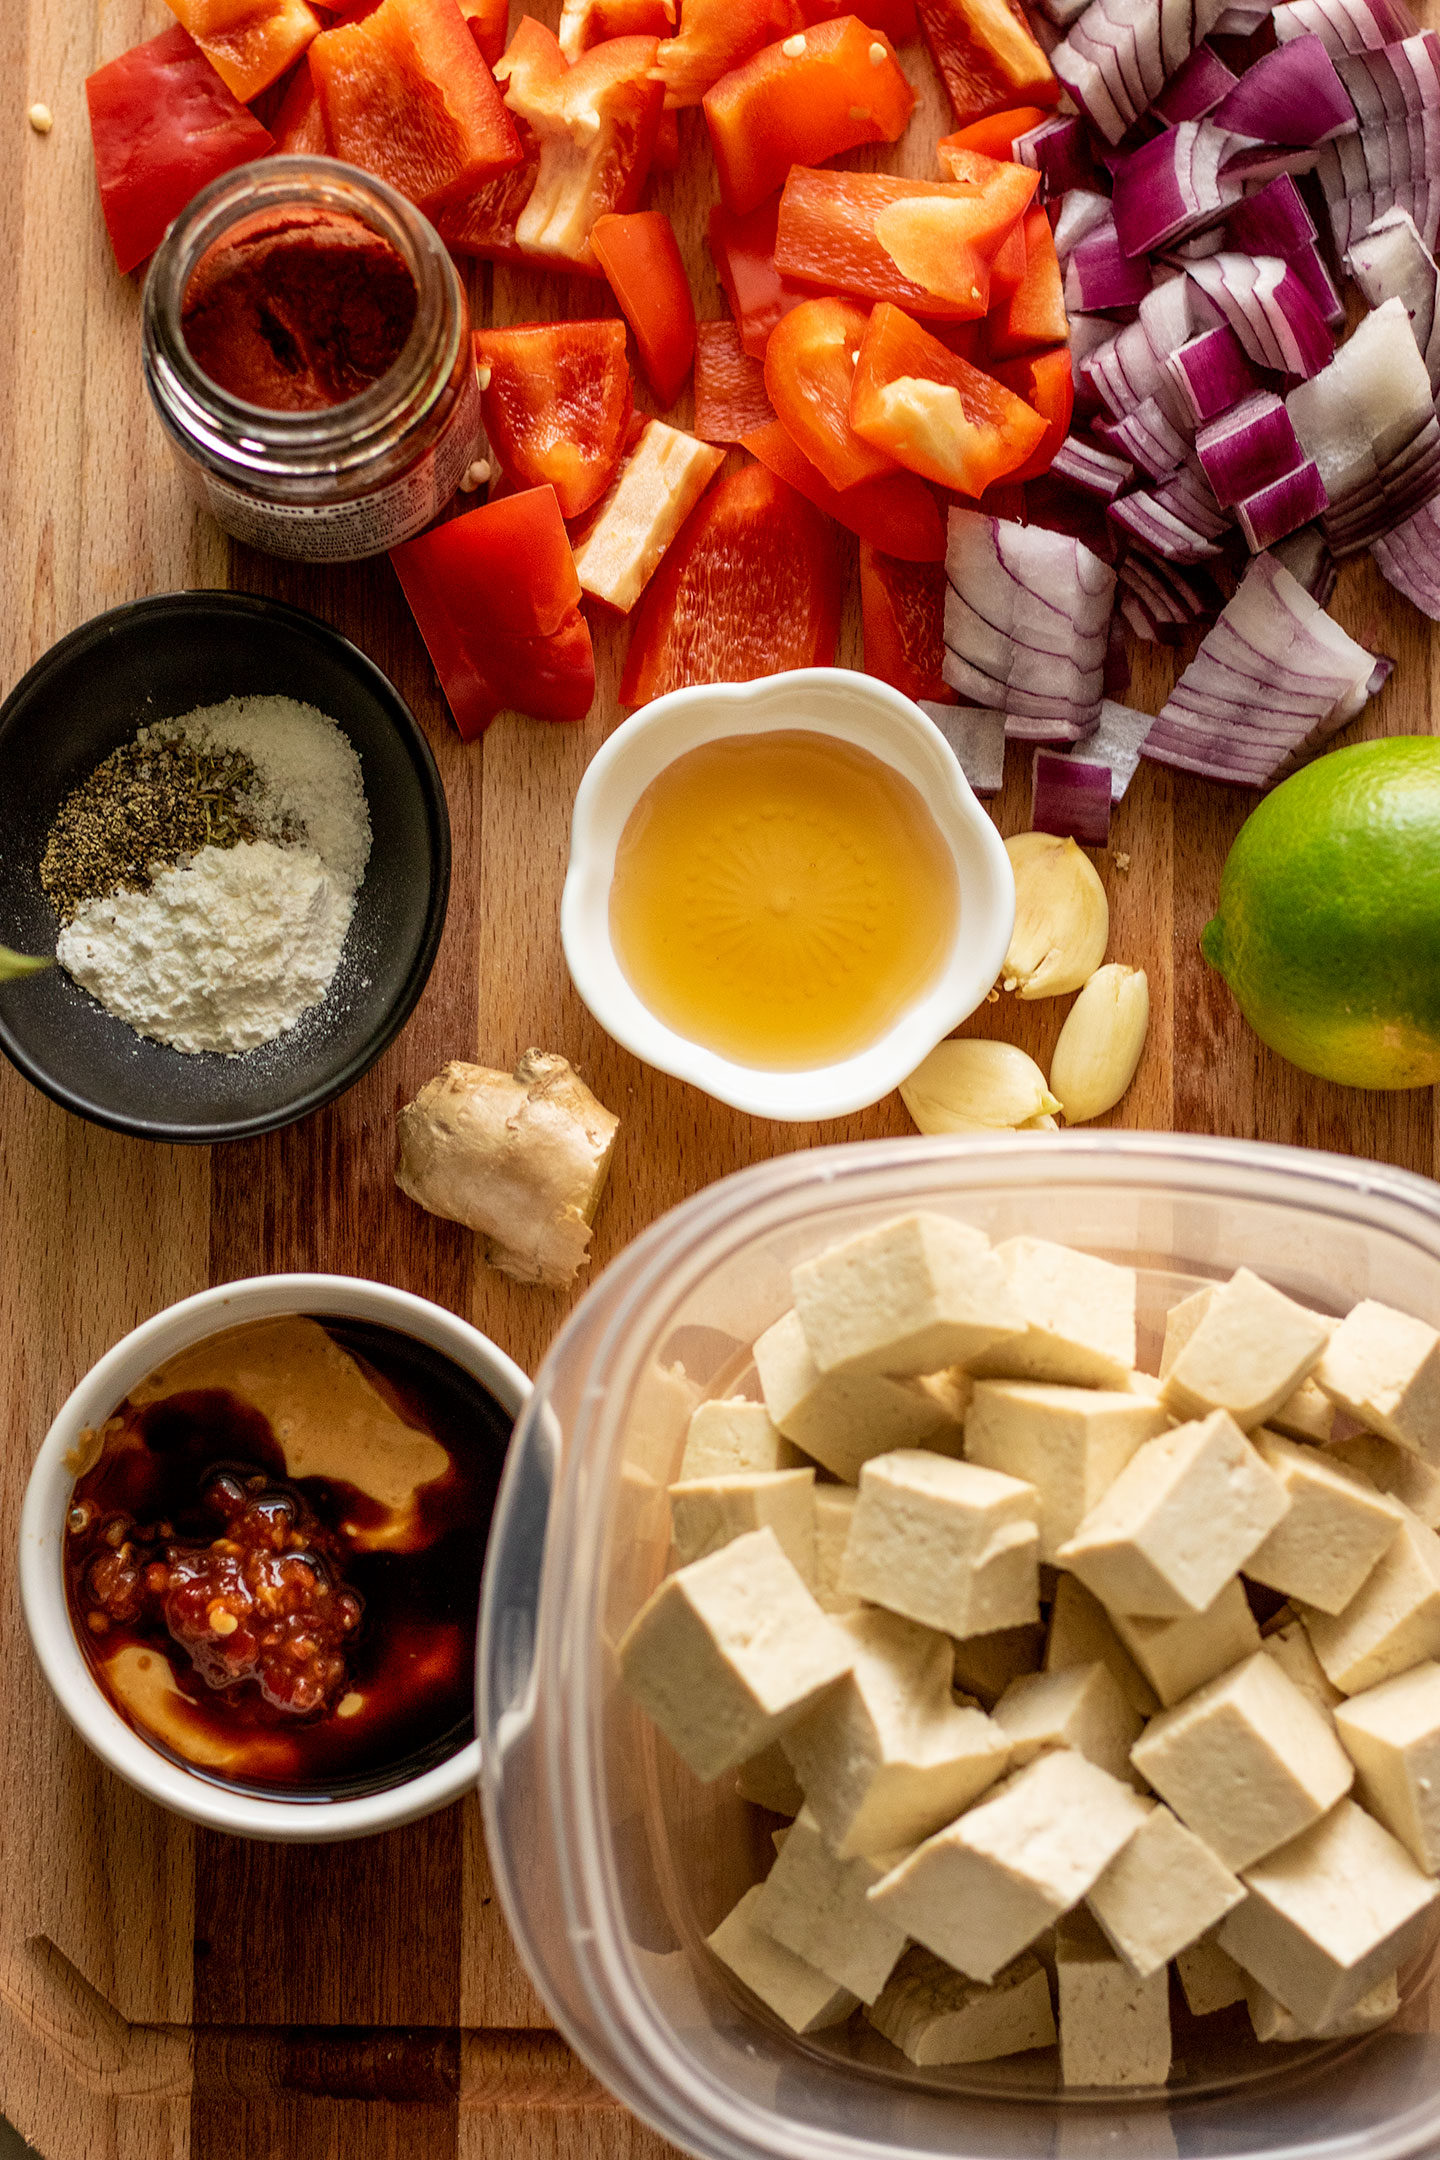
<point x="41" y="119"/>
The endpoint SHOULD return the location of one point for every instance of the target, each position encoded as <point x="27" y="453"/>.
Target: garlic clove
<point x="1062" y="917"/>
<point x="976" y="1085"/>
<point x="1100" y="1044"/>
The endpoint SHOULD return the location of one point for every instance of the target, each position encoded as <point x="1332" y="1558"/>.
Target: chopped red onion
<point x="1026" y="622"/>
<point x="1117" y="663"/>
<point x="1188" y="495"/>
<point x="1273" y="221"/>
<point x="1309" y="266"/>
<point x="1070" y="799"/>
<point x="1174" y="598"/>
<point x="1099" y="276"/>
<point x="1248" y="448"/>
<point x="1125" y="373"/>
<point x="1368" y="421"/>
<point x="1082" y="211"/>
<point x="1114" y="746"/>
<point x="1306" y="555"/>
<point x="1147" y="438"/>
<point x="1393" y="262"/>
<point x="1172" y="311"/>
<point x="1212" y="373"/>
<point x="1410" y="559"/>
<point x="1119" y="55"/>
<point x="1171" y="186"/>
<point x="1291" y="95"/>
<point x="1269" y="309"/>
<point x="1059" y="150"/>
<point x="1196" y="89"/>
<point x="1282" y="507"/>
<point x="1197" y="247"/>
<point x="1096" y="472"/>
<point x="1158" y="530"/>
<point x="976" y="734"/>
<point x="1344" y="26"/>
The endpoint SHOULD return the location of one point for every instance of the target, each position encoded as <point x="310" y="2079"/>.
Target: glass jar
<point x="351" y="479"/>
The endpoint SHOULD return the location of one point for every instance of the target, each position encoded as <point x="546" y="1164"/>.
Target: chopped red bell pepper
<point x="1034" y="314"/>
<point x="249" y="43"/>
<point x="715" y="36"/>
<point x="489" y="22"/>
<point x="407" y="96"/>
<point x="897" y="512"/>
<point x="934" y="413"/>
<point x="496" y="597"/>
<point x="556" y="401"/>
<point x="1045" y="382"/>
<point x="162" y="124"/>
<point x="595" y="126"/>
<point x="666" y="155"/>
<point x="641" y="260"/>
<point x="926" y="245"/>
<point x="993" y="136"/>
<point x="730" y="394"/>
<point x="750" y="586"/>
<point x="485" y="222"/>
<point x="299" y="124"/>
<point x="985" y="56"/>
<point x="584" y="23"/>
<point x="809" y="367"/>
<point x="894" y="19"/>
<point x="902" y="614"/>
<point x="744" y="252"/>
<point x="802" y="99"/>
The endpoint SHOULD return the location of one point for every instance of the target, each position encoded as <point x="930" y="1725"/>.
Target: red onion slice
<point x="1195" y="89"/>
<point x="1159" y="531"/>
<point x="1147" y="438"/>
<point x="1212" y="373"/>
<point x="1344" y="26"/>
<point x="1171" y="186"/>
<point x="1272" y="512"/>
<point x="1248" y="448"/>
<point x="1292" y="95"/>
<point x="1100" y="276"/>
<point x="1095" y="472"/>
<point x="976" y="734"/>
<point x="1306" y="555"/>
<point x="1070" y="798"/>
<point x="1392" y="262"/>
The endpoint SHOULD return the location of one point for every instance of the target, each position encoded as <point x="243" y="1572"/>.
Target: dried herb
<point x="151" y="804"/>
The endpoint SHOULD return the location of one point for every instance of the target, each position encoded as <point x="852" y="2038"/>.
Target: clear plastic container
<point x="613" y="1863"/>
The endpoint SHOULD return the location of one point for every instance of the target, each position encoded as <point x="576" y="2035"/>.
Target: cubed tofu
<point x="985" y="1665"/>
<point x="768" y="1781"/>
<point x="1183" y="1516"/>
<point x="1391" y="1623"/>
<point x="947" y="1543"/>
<point x="981" y="1891"/>
<point x="888" y="1756"/>
<point x="1161" y="1893"/>
<point x="733" y="1435"/>
<point x="1383" y="1367"/>
<point x="1270" y="2020"/>
<point x="1392" y="1735"/>
<point x="1210" y="1977"/>
<point x="1249" y="1351"/>
<point x="1114" y="2028"/>
<point x="834" y="1509"/>
<point x="1329" y="1915"/>
<point x="935" y="2015"/>
<point x="657" y="487"/>
<point x="1308" y="1414"/>
<point x="814" y="1903"/>
<point x="1081" y="1632"/>
<point x="801" y="1997"/>
<point x="707" y="1513"/>
<point x="1394" y="1470"/>
<point x="1335" y="1529"/>
<point x="729" y="1652"/>
<point x="905" y="1299"/>
<point x="1246" y="1762"/>
<point x="1081" y="1709"/>
<point x="1079" y="1313"/>
<point x="842" y="1419"/>
<point x="1178" y="1656"/>
<point x="1294" y="1653"/>
<point x="1069" y="1443"/>
<point x="1180" y="1324"/>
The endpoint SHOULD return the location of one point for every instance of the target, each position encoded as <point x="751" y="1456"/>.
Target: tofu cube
<point x="1247" y="1354"/>
<point x="1329" y="1915"/>
<point x="935" y="2015"/>
<point x="1391" y="1623"/>
<point x="1069" y="1443"/>
<point x="887" y="1756"/>
<point x="1393" y="1470"/>
<point x="1335" y="1529"/>
<point x="727" y="1653"/>
<point x="1392" y="1735"/>
<point x="980" y="1891"/>
<point x="834" y="1511"/>
<point x="1161" y="1893"/>
<point x="1114" y="2028"/>
<point x="909" y="1298"/>
<point x="842" y="1419"/>
<point x="1183" y="1516"/>
<point x="727" y="1437"/>
<point x="1308" y="1414"/>
<point x="768" y="1781"/>
<point x="801" y="1997"/>
<point x="1178" y="1656"/>
<point x="1210" y="1977"/>
<point x="814" y="1903"/>
<point x="1246" y="1762"/>
<point x="1081" y="1709"/>
<point x="985" y="1665"/>
<point x="946" y="1543"/>
<point x="1383" y="1367"/>
<point x="1270" y="2020"/>
<point x="1079" y="1314"/>
<point x="707" y="1513"/>
<point x="1081" y="1633"/>
<point x="1294" y="1653"/>
<point x="1180" y="1324"/>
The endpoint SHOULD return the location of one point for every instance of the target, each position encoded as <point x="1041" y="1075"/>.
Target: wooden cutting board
<point x="164" y="1991"/>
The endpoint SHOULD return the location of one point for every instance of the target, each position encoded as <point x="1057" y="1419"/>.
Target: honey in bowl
<point x="273" y="1562"/>
<point x="782" y="898"/>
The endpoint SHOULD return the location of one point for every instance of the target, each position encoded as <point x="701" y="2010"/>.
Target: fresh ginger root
<point x="520" y="1158"/>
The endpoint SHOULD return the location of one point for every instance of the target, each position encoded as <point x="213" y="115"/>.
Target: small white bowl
<point x="853" y="708"/>
<point x="42" y="1530"/>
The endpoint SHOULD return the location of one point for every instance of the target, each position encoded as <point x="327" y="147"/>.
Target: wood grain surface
<point x="165" y="1992"/>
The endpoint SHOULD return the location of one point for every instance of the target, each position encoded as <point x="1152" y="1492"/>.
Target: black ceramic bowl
<point x="151" y="660"/>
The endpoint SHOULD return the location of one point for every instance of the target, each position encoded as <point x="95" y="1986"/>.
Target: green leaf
<point x="14" y="964"/>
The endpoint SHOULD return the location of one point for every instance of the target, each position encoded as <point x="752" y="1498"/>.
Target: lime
<point x="1328" y="928"/>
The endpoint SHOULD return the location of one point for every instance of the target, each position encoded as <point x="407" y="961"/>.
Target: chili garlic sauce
<point x="272" y="1556"/>
<point x="782" y="898"/>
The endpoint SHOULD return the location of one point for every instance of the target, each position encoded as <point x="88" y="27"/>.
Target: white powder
<point x="309" y="773"/>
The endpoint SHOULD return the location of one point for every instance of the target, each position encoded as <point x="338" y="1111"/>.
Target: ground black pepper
<point x="152" y="803"/>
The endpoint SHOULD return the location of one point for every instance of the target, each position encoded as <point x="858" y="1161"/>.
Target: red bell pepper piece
<point x="584" y="23"/>
<point x="716" y="36"/>
<point x="489" y="22"/>
<point x="995" y="135"/>
<point x="162" y="124"/>
<point x="809" y="367"/>
<point x="934" y="413"/>
<point x="666" y="155"/>
<point x="985" y="56"/>
<point x="496" y="597"/>
<point x="1034" y="314"/>
<point x="730" y="394"/>
<point x="556" y="400"/>
<point x="805" y="98"/>
<point x="750" y="586"/>
<point x="485" y="222"/>
<point x="642" y="262"/>
<point x="894" y="19"/>
<point x="1045" y="382"/>
<point x="594" y="125"/>
<point x="249" y="43"/>
<point x="926" y="245"/>
<point x="407" y="96"/>
<point x="744" y="252"/>
<point x="897" y="512"/>
<point x="902" y="614"/>
<point x="299" y="124"/>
